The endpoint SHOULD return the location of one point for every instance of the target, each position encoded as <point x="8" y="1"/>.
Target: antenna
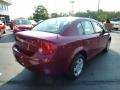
<point x="57" y="25"/>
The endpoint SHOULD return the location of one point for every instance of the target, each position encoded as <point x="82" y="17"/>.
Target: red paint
<point x="21" y="26"/>
<point x="45" y="53"/>
<point x="2" y="28"/>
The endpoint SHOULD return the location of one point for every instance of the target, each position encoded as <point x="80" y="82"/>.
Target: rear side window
<point x="98" y="28"/>
<point x="80" y="29"/>
<point x="87" y="26"/>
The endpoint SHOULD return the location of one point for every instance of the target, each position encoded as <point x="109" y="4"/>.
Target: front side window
<point x="87" y="26"/>
<point x="98" y="28"/>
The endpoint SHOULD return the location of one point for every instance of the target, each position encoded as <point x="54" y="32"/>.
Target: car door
<point x="89" y="37"/>
<point x="102" y="38"/>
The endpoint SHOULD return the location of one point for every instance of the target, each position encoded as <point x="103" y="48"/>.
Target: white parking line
<point x="0" y="74"/>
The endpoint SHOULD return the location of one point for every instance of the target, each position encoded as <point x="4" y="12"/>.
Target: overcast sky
<point x="25" y="8"/>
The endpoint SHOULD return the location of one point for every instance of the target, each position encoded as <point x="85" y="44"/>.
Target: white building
<point x="4" y="16"/>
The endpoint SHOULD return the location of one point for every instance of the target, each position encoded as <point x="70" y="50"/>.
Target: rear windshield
<point x="52" y="25"/>
<point x="22" y="22"/>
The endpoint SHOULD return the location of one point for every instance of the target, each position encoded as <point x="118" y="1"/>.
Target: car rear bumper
<point x="15" y="31"/>
<point x="41" y="65"/>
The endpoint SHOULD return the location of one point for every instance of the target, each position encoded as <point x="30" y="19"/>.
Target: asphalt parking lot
<point x="101" y="73"/>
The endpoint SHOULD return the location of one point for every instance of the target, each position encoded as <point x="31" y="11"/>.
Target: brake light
<point x="15" y="27"/>
<point x="3" y="27"/>
<point x="46" y="48"/>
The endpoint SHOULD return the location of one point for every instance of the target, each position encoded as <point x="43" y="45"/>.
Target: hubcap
<point x="108" y="45"/>
<point x="78" y="66"/>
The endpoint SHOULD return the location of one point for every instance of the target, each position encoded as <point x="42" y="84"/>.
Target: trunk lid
<point x="27" y="41"/>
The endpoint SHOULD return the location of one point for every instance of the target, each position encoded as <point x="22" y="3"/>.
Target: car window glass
<point x="87" y="26"/>
<point x="97" y="27"/>
<point x="22" y="22"/>
<point x="80" y="28"/>
<point x="52" y="25"/>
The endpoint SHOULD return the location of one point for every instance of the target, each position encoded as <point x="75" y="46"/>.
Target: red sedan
<point x="61" y="45"/>
<point x="21" y="25"/>
<point x="2" y="28"/>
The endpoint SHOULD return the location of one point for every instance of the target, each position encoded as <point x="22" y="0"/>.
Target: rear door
<point x="101" y="38"/>
<point x="89" y="37"/>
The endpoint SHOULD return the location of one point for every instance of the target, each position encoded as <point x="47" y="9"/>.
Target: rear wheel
<point x="76" y="67"/>
<point x="0" y="34"/>
<point x="4" y="32"/>
<point x="116" y="29"/>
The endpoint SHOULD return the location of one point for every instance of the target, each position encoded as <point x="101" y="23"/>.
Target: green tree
<point x="30" y="18"/>
<point x="102" y="17"/>
<point x="54" y="15"/>
<point x="40" y="13"/>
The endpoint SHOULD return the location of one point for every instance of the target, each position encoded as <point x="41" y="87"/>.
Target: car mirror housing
<point x="102" y="33"/>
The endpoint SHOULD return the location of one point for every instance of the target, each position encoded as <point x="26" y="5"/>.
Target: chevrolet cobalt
<point x="61" y="45"/>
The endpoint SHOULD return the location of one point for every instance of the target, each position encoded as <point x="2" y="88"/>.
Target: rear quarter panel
<point x="68" y="47"/>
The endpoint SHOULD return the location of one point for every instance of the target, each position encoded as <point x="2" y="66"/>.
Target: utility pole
<point x="72" y="6"/>
<point x="98" y="11"/>
<point x="98" y="6"/>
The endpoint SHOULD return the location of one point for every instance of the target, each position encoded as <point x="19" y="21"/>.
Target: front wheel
<point x="76" y="67"/>
<point x="107" y="46"/>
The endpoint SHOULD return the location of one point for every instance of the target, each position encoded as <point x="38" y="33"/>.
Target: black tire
<point x="4" y="32"/>
<point x="107" y="46"/>
<point x="11" y="27"/>
<point x="0" y="34"/>
<point x="116" y="29"/>
<point x="72" y="74"/>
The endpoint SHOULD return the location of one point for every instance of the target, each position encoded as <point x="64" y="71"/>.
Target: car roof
<point x="19" y="19"/>
<point x="74" y="18"/>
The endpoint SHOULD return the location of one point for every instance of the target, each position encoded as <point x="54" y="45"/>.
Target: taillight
<point x="46" y="48"/>
<point x="16" y="28"/>
<point x="3" y="27"/>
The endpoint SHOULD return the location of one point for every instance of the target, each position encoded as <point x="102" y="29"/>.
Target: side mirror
<point x="102" y="33"/>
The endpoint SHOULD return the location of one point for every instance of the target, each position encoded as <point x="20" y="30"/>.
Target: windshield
<point x="22" y="22"/>
<point x="52" y="25"/>
<point x="1" y="22"/>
